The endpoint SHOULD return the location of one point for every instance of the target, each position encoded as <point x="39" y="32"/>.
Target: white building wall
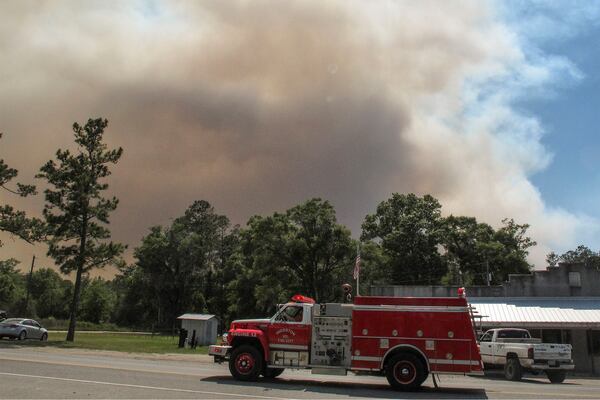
<point x="206" y="331"/>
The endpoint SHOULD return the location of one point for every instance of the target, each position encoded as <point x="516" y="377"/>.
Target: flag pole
<point x="358" y="284"/>
<point x="358" y="269"/>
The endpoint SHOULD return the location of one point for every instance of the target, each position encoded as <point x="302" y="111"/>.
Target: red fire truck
<point x="405" y="338"/>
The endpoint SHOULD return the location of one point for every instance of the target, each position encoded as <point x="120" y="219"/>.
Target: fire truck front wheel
<point x="405" y="371"/>
<point x="246" y="363"/>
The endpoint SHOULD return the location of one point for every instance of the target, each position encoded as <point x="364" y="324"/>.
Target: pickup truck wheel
<point x="513" y="370"/>
<point x="245" y="363"/>
<point x="556" y="376"/>
<point x="405" y="371"/>
<point x="271" y="373"/>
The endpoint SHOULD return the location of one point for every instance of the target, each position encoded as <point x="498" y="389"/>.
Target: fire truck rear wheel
<point x="405" y="371"/>
<point x="271" y="373"/>
<point x="246" y="363"/>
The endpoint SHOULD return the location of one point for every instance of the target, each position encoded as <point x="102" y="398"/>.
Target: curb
<point x="109" y="332"/>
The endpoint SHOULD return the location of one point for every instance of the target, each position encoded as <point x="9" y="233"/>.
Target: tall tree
<point x="467" y="244"/>
<point x="183" y="265"/>
<point x="304" y="250"/>
<point x="582" y="254"/>
<point x="12" y="284"/>
<point x="320" y="251"/>
<point x="408" y="230"/>
<point x="76" y="212"/>
<point x="474" y="250"/>
<point x="97" y="301"/>
<point x="262" y="278"/>
<point x="12" y="221"/>
<point x="515" y="244"/>
<point x="51" y="293"/>
<point x="135" y="307"/>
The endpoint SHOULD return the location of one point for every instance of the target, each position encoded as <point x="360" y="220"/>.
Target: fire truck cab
<point x="404" y="338"/>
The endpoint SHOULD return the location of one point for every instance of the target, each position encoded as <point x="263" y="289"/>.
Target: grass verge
<point x="130" y="343"/>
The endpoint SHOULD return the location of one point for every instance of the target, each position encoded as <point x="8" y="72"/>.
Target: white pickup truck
<point x="516" y="351"/>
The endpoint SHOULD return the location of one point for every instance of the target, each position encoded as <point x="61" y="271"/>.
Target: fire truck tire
<point x="271" y="373"/>
<point x="246" y="363"/>
<point x="513" y="370"/>
<point x="556" y="376"/>
<point x="405" y="371"/>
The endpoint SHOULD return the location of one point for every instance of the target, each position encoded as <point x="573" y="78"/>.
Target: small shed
<point x="204" y="325"/>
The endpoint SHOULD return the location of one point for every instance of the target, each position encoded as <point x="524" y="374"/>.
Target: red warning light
<point x="298" y="298"/>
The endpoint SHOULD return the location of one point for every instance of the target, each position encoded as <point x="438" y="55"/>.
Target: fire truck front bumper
<point x="220" y="353"/>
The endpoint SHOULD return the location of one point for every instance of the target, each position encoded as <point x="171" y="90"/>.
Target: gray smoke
<point x="257" y="106"/>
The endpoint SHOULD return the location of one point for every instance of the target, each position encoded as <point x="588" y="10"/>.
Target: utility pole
<point x="487" y="272"/>
<point x="29" y="282"/>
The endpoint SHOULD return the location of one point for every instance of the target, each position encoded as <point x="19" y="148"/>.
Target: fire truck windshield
<point x="290" y="313"/>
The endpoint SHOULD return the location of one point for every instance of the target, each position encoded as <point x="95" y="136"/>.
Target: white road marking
<point x="551" y="395"/>
<point x="140" y="386"/>
<point x="123" y="368"/>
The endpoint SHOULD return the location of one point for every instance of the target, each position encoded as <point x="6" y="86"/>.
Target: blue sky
<point x="568" y="108"/>
<point x="571" y="119"/>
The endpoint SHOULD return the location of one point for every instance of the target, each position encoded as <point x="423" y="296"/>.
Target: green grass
<point x="53" y="324"/>
<point x="130" y="343"/>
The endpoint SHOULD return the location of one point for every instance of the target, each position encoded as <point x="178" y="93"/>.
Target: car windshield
<point x="12" y="321"/>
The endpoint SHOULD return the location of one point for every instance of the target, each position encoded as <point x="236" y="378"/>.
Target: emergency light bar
<point x="298" y="298"/>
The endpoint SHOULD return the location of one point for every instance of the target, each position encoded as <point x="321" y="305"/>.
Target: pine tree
<point x="76" y="211"/>
<point x="12" y="221"/>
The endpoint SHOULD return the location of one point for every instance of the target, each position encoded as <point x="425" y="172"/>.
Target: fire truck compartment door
<point x="451" y="356"/>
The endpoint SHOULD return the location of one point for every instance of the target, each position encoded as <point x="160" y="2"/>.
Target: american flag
<point x="357" y="266"/>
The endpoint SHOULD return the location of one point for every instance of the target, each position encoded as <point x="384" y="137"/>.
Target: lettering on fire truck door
<point x="290" y="328"/>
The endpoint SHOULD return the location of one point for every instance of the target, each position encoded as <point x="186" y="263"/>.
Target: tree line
<point x="201" y="262"/>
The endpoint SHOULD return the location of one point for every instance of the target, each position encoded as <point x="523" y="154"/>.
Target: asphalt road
<point x="64" y="373"/>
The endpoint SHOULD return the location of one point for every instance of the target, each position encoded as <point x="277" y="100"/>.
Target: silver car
<point x="22" y="328"/>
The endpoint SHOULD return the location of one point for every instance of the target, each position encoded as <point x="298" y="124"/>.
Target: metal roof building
<point x="538" y="312"/>
<point x="196" y="317"/>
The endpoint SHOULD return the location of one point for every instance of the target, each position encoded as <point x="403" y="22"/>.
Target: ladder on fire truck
<point x="476" y="321"/>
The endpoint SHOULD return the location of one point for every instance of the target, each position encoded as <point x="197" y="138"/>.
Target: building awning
<point x="196" y="317"/>
<point x="539" y="312"/>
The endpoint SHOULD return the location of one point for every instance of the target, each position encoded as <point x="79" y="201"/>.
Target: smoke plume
<point x="257" y="106"/>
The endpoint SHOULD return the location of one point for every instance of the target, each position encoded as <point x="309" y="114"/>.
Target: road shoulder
<point x="202" y="358"/>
